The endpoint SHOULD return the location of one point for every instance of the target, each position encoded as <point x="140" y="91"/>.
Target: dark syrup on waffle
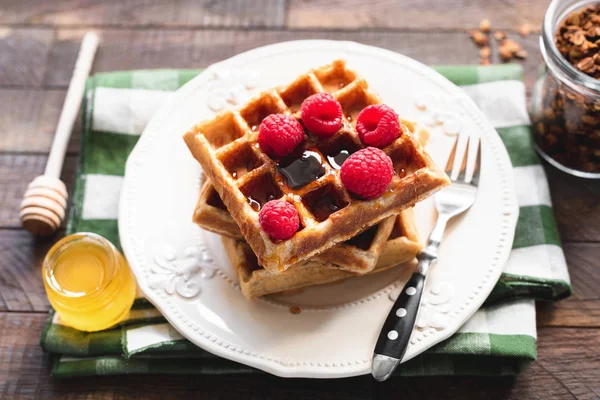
<point x="337" y="160"/>
<point x="300" y="171"/>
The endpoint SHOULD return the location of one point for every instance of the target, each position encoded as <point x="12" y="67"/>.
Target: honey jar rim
<point x="62" y="244"/>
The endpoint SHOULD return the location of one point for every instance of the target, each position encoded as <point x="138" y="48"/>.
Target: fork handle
<point x="397" y="328"/>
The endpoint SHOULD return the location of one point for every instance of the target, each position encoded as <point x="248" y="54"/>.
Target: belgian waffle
<point x="246" y="178"/>
<point x="358" y="254"/>
<point x="401" y="246"/>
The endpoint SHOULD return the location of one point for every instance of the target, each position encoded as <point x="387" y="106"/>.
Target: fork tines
<point x="462" y="165"/>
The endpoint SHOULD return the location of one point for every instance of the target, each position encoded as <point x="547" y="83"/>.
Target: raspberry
<point x="367" y="173"/>
<point x="378" y="125"/>
<point x="279" y="135"/>
<point x="279" y="219"/>
<point x="322" y="114"/>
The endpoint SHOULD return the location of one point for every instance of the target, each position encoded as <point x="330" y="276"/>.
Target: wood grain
<point x="133" y="49"/>
<point x="576" y="206"/>
<point x="21" y="258"/>
<point x="570" y="312"/>
<point x="28" y="119"/>
<point x="24" y="53"/>
<point x="582" y="309"/>
<point x="323" y="14"/>
<point x="143" y="13"/>
<point x="413" y="14"/>
<point x="16" y="171"/>
<point x="123" y="49"/>
<point x="562" y="371"/>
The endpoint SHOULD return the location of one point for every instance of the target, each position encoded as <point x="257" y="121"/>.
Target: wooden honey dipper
<point x="45" y="200"/>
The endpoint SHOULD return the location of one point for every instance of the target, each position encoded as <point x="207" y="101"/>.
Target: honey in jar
<point x="88" y="282"/>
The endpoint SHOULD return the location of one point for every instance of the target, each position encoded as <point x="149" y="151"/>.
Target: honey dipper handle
<point x="71" y="104"/>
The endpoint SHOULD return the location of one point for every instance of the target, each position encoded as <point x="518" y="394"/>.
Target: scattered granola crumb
<point x="485" y="52"/>
<point x="485" y="25"/>
<point x="505" y="53"/>
<point x="524" y="30"/>
<point x="511" y="44"/>
<point x="521" y="54"/>
<point x="295" y="310"/>
<point x="510" y="49"/>
<point x="480" y="38"/>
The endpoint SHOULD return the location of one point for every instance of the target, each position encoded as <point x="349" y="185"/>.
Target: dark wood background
<point x="39" y="41"/>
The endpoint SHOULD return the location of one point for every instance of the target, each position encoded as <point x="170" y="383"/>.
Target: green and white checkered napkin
<point x="498" y="339"/>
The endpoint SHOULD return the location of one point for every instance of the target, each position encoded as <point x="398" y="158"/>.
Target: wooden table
<point x="39" y="41"/>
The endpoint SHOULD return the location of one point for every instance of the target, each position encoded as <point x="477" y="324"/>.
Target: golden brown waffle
<point x="401" y="246"/>
<point x="246" y="178"/>
<point x="212" y="215"/>
<point x="358" y="254"/>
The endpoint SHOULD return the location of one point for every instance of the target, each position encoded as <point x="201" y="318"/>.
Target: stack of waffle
<point x="340" y="235"/>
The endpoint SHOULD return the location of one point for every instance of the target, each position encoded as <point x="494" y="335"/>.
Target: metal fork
<point x="449" y="202"/>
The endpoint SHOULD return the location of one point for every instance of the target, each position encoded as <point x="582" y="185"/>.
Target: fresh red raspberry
<point x="279" y="219"/>
<point x="367" y="173"/>
<point x="279" y="134"/>
<point x="322" y="114"/>
<point x="378" y="125"/>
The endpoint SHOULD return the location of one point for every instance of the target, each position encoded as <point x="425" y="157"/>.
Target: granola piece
<point x="480" y="38"/>
<point x="485" y="25"/>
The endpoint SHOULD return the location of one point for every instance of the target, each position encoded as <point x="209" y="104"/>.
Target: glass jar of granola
<point x="566" y="98"/>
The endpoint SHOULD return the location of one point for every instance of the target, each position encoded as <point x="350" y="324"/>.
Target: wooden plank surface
<point x="143" y="13"/>
<point x="576" y="206"/>
<point x="133" y="49"/>
<point x="582" y="309"/>
<point x="24" y="55"/>
<point x="28" y="119"/>
<point x="16" y="171"/>
<point x="321" y="14"/>
<point x="413" y="14"/>
<point x="123" y="49"/>
<point x="562" y="371"/>
<point x="21" y="257"/>
<point x="39" y="41"/>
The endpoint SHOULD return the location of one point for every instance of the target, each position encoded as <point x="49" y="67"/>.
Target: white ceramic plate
<point x="184" y="271"/>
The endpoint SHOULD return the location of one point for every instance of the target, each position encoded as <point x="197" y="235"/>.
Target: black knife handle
<point x="395" y="334"/>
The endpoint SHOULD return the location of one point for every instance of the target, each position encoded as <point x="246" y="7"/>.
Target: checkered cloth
<point x="498" y="340"/>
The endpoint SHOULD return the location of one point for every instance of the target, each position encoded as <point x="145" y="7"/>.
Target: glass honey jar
<point x="88" y="282"/>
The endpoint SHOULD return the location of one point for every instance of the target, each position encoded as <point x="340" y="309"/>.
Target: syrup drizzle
<point x="303" y="170"/>
<point x="257" y="203"/>
<point x="337" y="160"/>
<point x="253" y="203"/>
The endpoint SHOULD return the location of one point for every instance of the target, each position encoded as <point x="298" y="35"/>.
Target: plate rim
<point x="284" y="368"/>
